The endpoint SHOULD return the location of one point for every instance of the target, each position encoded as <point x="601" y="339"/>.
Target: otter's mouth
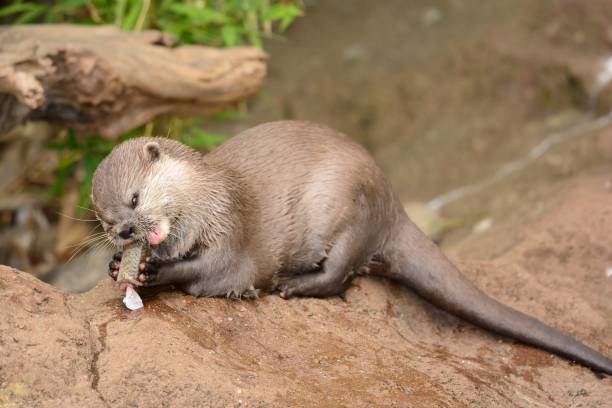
<point x="156" y="236"/>
<point x="159" y="232"/>
<point x="153" y="236"/>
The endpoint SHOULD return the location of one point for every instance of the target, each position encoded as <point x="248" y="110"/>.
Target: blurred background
<point x="473" y="109"/>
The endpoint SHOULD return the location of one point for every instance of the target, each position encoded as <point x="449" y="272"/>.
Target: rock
<point x="431" y="16"/>
<point x="382" y="346"/>
<point x="483" y="225"/>
<point x="353" y="53"/>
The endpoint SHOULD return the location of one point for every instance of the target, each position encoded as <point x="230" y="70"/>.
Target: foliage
<point x="79" y="153"/>
<point x="222" y="23"/>
<point x="212" y="22"/>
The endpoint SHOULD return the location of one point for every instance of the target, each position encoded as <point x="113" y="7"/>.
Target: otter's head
<point x="138" y="187"/>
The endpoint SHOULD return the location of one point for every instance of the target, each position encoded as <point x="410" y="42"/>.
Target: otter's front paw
<point x="113" y="266"/>
<point x="149" y="270"/>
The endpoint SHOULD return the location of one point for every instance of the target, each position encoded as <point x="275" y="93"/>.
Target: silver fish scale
<point x="131" y="258"/>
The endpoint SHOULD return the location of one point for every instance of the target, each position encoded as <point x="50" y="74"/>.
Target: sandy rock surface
<point x="380" y="346"/>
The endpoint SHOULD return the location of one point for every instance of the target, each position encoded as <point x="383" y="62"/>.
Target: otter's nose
<point x="127" y="232"/>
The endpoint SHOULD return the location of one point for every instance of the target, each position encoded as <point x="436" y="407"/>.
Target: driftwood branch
<point x="105" y="81"/>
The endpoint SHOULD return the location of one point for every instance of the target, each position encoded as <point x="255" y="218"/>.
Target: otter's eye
<point x="134" y="200"/>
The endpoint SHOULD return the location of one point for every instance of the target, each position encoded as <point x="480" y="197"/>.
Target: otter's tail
<point x="415" y="261"/>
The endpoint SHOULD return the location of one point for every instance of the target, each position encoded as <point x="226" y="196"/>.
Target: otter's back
<point x="310" y="177"/>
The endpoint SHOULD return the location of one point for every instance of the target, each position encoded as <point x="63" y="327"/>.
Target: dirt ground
<point x="380" y="346"/>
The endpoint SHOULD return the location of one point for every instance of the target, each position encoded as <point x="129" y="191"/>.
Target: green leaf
<point x="199" y="138"/>
<point x="230" y="35"/>
<point x="64" y="169"/>
<point x="98" y="146"/>
<point x="68" y="161"/>
<point x="68" y="6"/>
<point x="119" y="12"/>
<point x="29" y="16"/>
<point x="282" y="12"/>
<point x="60" y="181"/>
<point x="227" y="115"/>
<point x="56" y="145"/>
<point x="200" y="15"/>
<point x="177" y="29"/>
<point x="134" y="11"/>
<point x="16" y="8"/>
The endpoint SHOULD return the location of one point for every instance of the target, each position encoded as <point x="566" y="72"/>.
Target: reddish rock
<point x="382" y="346"/>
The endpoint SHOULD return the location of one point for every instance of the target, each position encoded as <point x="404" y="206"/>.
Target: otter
<point x="292" y="207"/>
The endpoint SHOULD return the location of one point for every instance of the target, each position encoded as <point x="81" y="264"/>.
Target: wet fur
<point x="296" y="207"/>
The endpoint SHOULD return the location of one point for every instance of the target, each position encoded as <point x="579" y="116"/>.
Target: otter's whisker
<point x="73" y="218"/>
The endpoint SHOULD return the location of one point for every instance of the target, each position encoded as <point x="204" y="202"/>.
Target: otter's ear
<point x="152" y="150"/>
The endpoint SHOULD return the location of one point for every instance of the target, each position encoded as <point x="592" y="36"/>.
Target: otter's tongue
<point x="155" y="237"/>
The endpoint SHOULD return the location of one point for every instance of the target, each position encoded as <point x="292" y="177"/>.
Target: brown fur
<point x="296" y="207"/>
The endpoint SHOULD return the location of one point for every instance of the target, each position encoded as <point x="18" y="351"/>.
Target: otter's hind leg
<point x="335" y="273"/>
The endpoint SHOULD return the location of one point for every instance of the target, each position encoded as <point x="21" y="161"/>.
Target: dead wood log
<point x="106" y="81"/>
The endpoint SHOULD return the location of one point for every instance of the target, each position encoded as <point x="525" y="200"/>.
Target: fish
<point x="133" y="254"/>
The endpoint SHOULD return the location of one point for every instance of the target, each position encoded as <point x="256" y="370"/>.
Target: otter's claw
<point x="286" y="291"/>
<point x="113" y="266"/>
<point x="148" y="271"/>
